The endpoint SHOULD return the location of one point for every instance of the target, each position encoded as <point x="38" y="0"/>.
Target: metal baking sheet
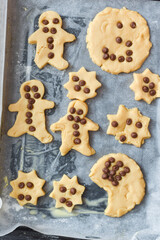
<point x="27" y="153"/>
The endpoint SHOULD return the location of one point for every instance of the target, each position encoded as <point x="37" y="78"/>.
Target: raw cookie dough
<point x="67" y="192"/>
<point x="146" y="86"/>
<point x="30" y="108"/>
<point x="27" y="188"/>
<point x="129" y="126"/>
<point x="75" y="126"/>
<point x="123" y="180"/>
<point x="118" y="40"/>
<point x="82" y="85"/>
<point x="50" y="39"/>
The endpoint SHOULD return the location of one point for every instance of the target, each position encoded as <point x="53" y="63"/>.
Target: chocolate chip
<point x="146" y="79"/>
<point x="30" y="185"/>
<point x="126" y="169"/>
<point x="77" y="88"/>
<point x="70" y="117"/>
<point x="105" y="56"/>
<point x="110" y="178"/>
<point x="122" y="173"/>
<point x="129" y="52"/>
<point x="134" y="135"/>
<point x="45" y="22"/>
<point x="86" y="90"/>
<point x="27" y="95"/>
<point x="30" y="106"/>
<point x="35" y="89"/>
<point x="45" y="30"/>
<point x="151" y="85"/>
<point x="139" y="125"/>
<point x="77" y="119"/>
<point x="129" y="121"/>
<point x="62" y="200"/>
<point x="53" y="30"/>
<point x="72" y="110"/>
<point x="114" y="124"/>
<point x="115" y="168"/>
<point x="62" y="189"/>
<point x="105" y="50"/>
<point x="55" y="20"/>
<point x="28" y="120"/>
<point x="113" y="57"/>
<point x="133" y="25"/>
<point x="20" y="196"/>
<point x="129" y="59"/>
<point x="75" y="78"/>
<point x="50" y="40"/>
<point x="104" y="175"/>
<point x="77" y="140"/>
<point x="76" y="133"/>
<point x="119" y="164"/>
<point x="83" y="121"/>
<point x="82" y="83"/>
<point x="112" y="172"/>
<point x="118" y="177"/>
<point x="28" y="197"/>
<point x="119" y="25"/>
<point x="145" y="89"/>
<point x="31" y="101"/>
<point x="32" y="128"/>
<point x="107" y="164"/>
<point x="111" y="160"/>
<point x="69" y="204"/>
<point x="21" y="185"/>
<point x="51" y="55"/>
<point x="79" y="111"/>
<point x="128" y="43"/>
<point x="27" y="88"/>
<point x="73" y="191"/>
<point x="121" y="59"/>
<point x="105" y="170"/>
<point x="115" y="183"/>
<point x="37" y="95"/>
<point x="122" y="138"/>
<point x="50" y="46"/>
<point x="152" y="92"/>
<point x="75" y="126"/>
<point x="118" y="39"/>
<point x="28" y="114"/>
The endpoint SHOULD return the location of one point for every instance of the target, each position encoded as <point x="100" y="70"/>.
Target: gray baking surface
<point x="27" y="153"/>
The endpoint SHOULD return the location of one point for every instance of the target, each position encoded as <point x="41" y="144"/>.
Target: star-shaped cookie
<point x="129" y="126"/>
<point x="82" y="85"/>
<point x="67" y="192"/>
<point x="27" y="188"/>
<point x="146" y="86"/>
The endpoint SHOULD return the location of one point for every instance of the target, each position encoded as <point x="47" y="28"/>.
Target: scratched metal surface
<point x="27" y="153"/>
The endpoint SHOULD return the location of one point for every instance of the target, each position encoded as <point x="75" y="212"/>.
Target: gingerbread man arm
<point x="58" y="126"/>
<point x="15" y="107"/>
<point x="34" y="37"/>
<point x="45" y="104"/>
<point x="91" y="125"/>
<point x="68" y="37"/>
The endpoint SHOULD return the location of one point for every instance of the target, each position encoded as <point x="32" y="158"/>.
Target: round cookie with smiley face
<point x="118" y="40"/>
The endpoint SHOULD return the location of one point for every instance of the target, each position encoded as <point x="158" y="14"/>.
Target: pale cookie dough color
<point x="146" y="86"/>
<point x="118" y="40"/>
<point x="129" y="126"/>
<point x="82" y="85"/>
<point x="74" y="127"/>
<point x="50" y="39"/>
<point x="67" y="192"/>
<point x="31" y="117"/>
<point x="123" y="180"/>
<point x="27" y="188"/>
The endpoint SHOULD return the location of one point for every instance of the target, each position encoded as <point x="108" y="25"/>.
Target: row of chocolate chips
<point x="120" y="25"/>
<point x="152" y="92"/>
<point x="64" y="200"/>
<point x="29" y="185"/>
<point x="81" y="84"/>
<point x="27" y="197"/>
<point x="110" y="174"/>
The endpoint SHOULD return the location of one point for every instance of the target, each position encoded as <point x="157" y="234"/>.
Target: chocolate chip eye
<point x="119" y="25"/>
<point x="133" y="25"/>
<point x="146" y="79"/>
<point x="45" y="22"/>
<point x="105" y="50"/>
<point x="72" y="110"/>
<point x="55" y="20"/>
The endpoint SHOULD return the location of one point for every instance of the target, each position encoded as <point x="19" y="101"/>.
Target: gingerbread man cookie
<point x="30" y="108"/>
<point x="27" y="188"/>
<point x="75" y="126"/>
<point x="123" y="180"/>
<point x="118" y="40"/>
<point x="50" y="39"/>
<point x="146" y="86"/>
<point x="67" y="192"/>
<point x="82" y="85"/>
<point x="129" y="126"/>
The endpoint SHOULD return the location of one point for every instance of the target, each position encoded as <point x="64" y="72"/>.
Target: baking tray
<point x="27" y="153"/>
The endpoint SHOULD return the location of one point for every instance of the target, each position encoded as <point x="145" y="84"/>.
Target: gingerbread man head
<point x="78" y="107"/>
<point x="49" y="19"/>
<point x="32" y="89"/>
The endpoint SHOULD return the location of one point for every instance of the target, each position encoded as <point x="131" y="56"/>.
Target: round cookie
<point x="118" y="40"/>
<point x="123" y="180"/>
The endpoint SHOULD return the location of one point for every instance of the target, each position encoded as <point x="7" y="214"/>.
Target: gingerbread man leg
<point x="42" y="134"/>
<point x="58" y="61"/>
<point x="18" y="128"/>
<point x="41" y="58"/>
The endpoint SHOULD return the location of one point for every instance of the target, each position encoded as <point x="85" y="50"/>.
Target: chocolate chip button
<point x="27" y="88"/>
<point x="110" y="178"/>
<point x="107" y="164"/>
<point x="105" y="56"/>
<point x="72" y="110"/>
<point x="30" y="185"/>
<point x="21" y="197"/>
<point x="77" y="119"/>
<point x="146" y="79"/>
<point x="53" y="30"/>
<point x="35" y="89"/>
<point x="32" y="128"/>
<point x="77" y="88"/>
<point x="118" y="39"/>
<point x="121" y="59"/>
<point x="77" y="140"/>
<point x="31" y="101"/>
<point x="105" y="50"/>
<point x="50" y="46"/>
<point x="45" y="30"/>
<point x="28" y="114"/>
<point x="75" y="126"/>
<point x="152" y="92"/>
<point x="73" y="191"/>
<point x="70" y="117"/>
<point x="55" y="20"/>
<point x="128" y="43"/>
<point x="50" y="40"/>
<point x="112" y="172"/>
<point x="122" y="138"/>
<point x="76" y="133"/>
<point x="51" y="55"/>
<point x="113" y="57"/>
<point x="104" y="176"/>
<point x="86" y="90"/>
<point x="28" y="197"/>
<point x="75" y="78"/>
<point x="129" y="59"/>
<point x="119" y="25"/>
<point x="119" y="164"/>
<point x="79" y="111"/>
<point x="145" y="89"/>
<point x="133" y="25"/>
<point x="21" y="185"/>
<point x="30" y="106"/>
<point x="111" y="160"/>
<point x="129" y="121"/>
<point x="118" y="177"/>
<point x="115" y="183"/>
<point x="114" y="124"/>
<point x="134" y="135"/>
<point x="122" y="173"/>
<point x="62" y="200"/>
<point x="82" y="83"/>
<point x="115" y="168"/>
<point x="69" y="204"/>
<point x="105" y="170"/>
<point x="126" y="169"/>
<point x="83" y="121"/>
<point x="28" y="120"/>
<point x="139" y="125"/>
<point x="45" y="22"/>
<point x="27" y="95"/>
<point x="37" y="95"/>
<point x="151" y="85"/>
<point x="62" y="189"/>
<point x="129" y="52"/>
